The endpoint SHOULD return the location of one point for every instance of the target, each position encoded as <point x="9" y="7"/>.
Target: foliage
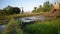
<point x="2" y="13"/>
<point x="35" y="9"/>
<point x="12" y="10"/>
<point x="47" y="6"/>
<point x="13" y="27"/>
<point x="40" y="9"/>
<point x="9" y="11"/>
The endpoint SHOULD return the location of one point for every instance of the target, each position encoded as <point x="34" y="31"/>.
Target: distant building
<point x="56" y="6"/>
<point x="55" y="11"/>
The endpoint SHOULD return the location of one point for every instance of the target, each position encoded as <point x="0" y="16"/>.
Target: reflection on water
<point x="2" y="27"/>
<point x="33" y="18"/>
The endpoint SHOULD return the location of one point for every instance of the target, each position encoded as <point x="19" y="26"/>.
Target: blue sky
<point x="27" y="4"/>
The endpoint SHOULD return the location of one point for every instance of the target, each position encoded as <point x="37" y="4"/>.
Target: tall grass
<point x="13" y="27"/>
<point x="46" y="27"/>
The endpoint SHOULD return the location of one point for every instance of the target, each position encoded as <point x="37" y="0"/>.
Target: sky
<point x="27" y="5"/>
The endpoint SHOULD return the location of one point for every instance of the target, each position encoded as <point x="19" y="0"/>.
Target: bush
<point x="12" y="10"/>
<point x="2" y="13"/>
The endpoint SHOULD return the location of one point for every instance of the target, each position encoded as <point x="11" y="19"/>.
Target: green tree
<point x="16" y="10"/>
<point x="47" y="6"/>
<point x="35" y="9"/>
<point x="12" y="10"/>
<point x="40" y="9"/>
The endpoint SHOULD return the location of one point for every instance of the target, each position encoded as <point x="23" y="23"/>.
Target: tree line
<point x="47" y="6"/>
<point x="9" y="10"/>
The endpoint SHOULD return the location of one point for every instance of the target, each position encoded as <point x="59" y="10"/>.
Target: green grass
<point x="13" y="27"/>
<point x="46" y="27"/>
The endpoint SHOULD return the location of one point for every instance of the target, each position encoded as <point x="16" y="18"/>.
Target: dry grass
<point x="21" y="15"/>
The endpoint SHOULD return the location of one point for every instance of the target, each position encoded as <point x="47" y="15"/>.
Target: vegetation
<point x="47" y="6"/>
<point x="2" y="13"/>
<point x="13" y="27"/>
<point x="12" y="10"/>
<point x="40" y="9"/>
<point x="46" y="27"/>
<point x="23" y="15"/>
<point x="9" y="11"/>
<point x="51" y="26"/>
<point x="35" y="9"/>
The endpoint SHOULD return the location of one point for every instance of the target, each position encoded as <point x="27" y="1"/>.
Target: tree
<point x="16" y="10"/>
<point x="47" y="6"/>
<point x="40" y="9"/>
<point x="12" y="10"/>
<point x="35" y="9"/>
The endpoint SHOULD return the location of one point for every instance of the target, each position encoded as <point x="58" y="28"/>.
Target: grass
<point x="46" y="27"/>
<point x="13" y="27"/>
<point x="21" y="15"/>
<point x="41" y="29"/>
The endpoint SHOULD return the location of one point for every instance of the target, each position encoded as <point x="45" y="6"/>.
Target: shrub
<point x="12" y="10"/>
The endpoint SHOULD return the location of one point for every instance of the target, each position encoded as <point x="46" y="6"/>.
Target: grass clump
<point x="13" y="27"/>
